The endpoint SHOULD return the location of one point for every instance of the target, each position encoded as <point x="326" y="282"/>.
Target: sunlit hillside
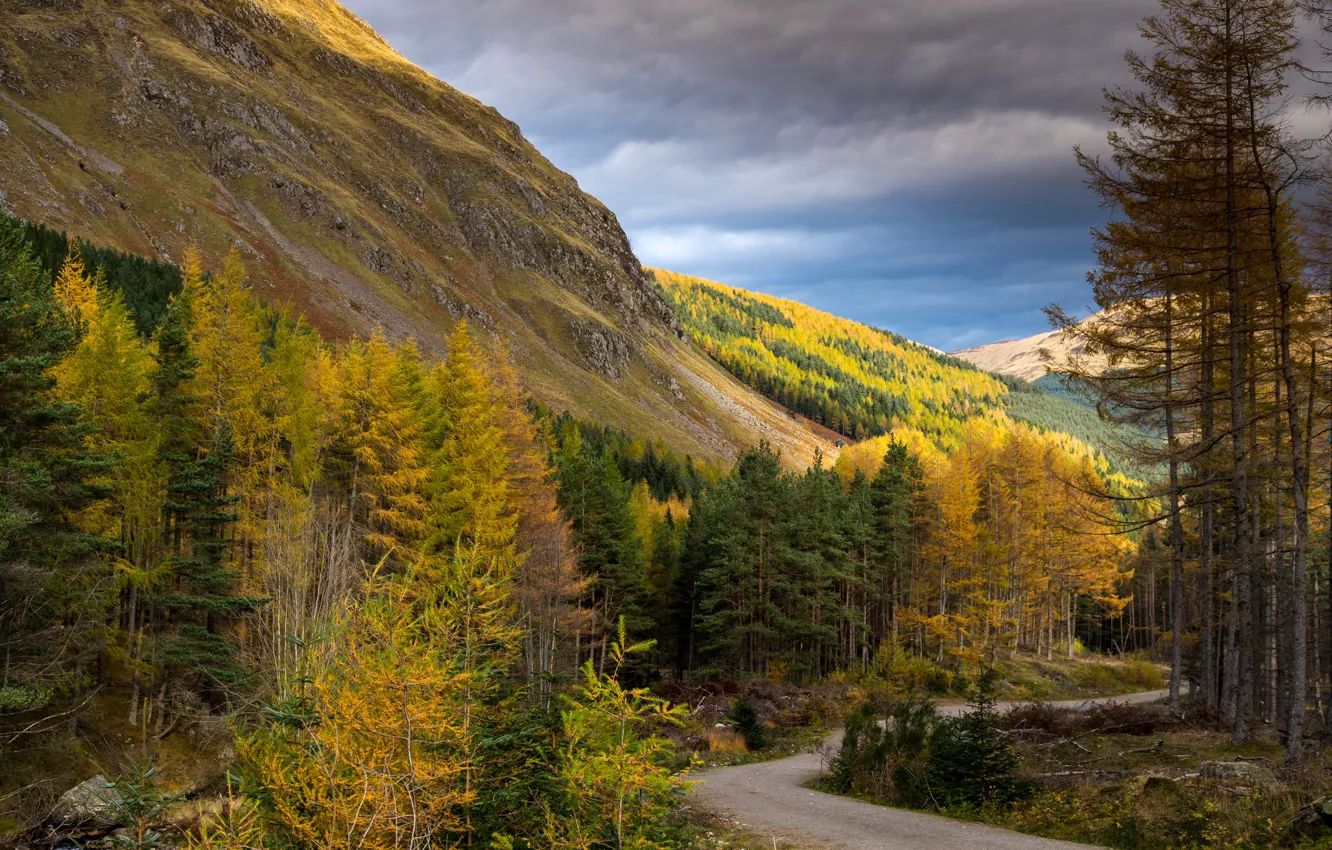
<point x="865" y="383"/>
<point x="363" y="193"/>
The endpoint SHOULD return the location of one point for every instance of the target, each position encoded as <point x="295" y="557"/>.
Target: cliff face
<point x="360" y="190"/>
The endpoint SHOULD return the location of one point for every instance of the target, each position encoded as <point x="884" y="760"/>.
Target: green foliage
<point x="596" y="500"/>
<point x="1059" y="411"/>
<point x="147" y="285"/>
<point x="666" y="473"/>
<point x="900" y="672"/>
<point x="972" y="762"/>
<point x="796" y="571"/>
<point x="909" y="755"/>
<point x="856" y="380"/>
<point x="52" y="582"/>
<point x="748" y="724"/>
<point x="202" y="596"/>
<point x="16" y="699"/>
<point x="886" y="754"/>
<point x="139" y="805"/>
<point x="616" y="786"/>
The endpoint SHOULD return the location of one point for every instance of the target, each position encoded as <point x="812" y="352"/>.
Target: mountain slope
<point x="1022" y="358"/>
<point x="359" y="189"/>
<point x="862" y="382"/>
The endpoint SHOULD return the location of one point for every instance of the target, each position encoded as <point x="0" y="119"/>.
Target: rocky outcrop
<point x="1243" y="773"/>
<point x="361" y="192"/>
<point x="218" y="35"/>
<point x="92" y="804"/>
<point x="607" y="351"/>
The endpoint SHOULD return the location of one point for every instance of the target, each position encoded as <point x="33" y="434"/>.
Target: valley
<point x="362" y="487"/>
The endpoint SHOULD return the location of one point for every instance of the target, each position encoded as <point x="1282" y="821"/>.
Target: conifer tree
<point x="50" y="571"/>
<point x="108" y="374"/>
<point x="380" y="452"/>
<point x="596" y="500"/>
<point x="471" y="501"/>
<point x="894" y="492"/>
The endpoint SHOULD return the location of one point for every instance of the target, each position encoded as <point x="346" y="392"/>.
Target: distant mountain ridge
<point x="1024" y="358"/>
<point x="359" y="190"/>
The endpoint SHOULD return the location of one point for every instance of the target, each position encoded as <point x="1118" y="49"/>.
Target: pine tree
<point x="596" y="500"/>
<point x="201" y="597"/>
<point x="50" y="569"/>
<point x="894" y="492"/>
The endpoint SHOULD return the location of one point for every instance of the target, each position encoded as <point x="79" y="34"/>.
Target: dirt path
<point x="769" y="799"/>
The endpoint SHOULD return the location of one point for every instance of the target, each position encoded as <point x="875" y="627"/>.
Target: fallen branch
<point x="1152" y="748"/>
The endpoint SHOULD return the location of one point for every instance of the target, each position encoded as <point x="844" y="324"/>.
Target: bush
<point x="1144" y="675"/>
<point x="915" y="758"/>
<point x="748" y="724"/>
<point x="899" y="671"/>
<point x="972" y="762"/>
<point x="886" y="760"/>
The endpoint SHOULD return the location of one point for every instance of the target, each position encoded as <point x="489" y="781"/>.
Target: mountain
<point x="1022" y="358"/>
<point x="863" y="383"/>
<point x="359" y="190"/>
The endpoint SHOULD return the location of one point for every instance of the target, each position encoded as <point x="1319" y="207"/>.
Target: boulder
<point x="1313" y="817"/>
<point x="1237" y="773"/>
<point x="93" y="803"/>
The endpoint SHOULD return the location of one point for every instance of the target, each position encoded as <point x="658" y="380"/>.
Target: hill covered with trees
<point x="863" y="383"/>
<point x="349" y="563"/>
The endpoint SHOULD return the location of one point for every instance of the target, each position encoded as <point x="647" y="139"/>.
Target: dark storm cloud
<point x="903" y="162"/>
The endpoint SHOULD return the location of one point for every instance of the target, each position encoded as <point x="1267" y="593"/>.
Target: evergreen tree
<point x="201" y="595"/>
<point x="596" y="500"/>
<point x="51" y="575"/>
<point x="894" y="492"/>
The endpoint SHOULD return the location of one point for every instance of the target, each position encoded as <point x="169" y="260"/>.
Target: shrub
<point x="972" y="762"/>
<point x="1123" y="718"/>
<point x="886" y="760"/>
<point x="1143" y="674"/>
<point x="898" y="671"/>
<point x="140" y="805"/>
<point x="748" y="724"/>
<point x="1039" y="717"/>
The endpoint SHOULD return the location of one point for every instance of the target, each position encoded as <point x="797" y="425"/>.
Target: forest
<point x="431" y="610"/>
<point x="866" y="383"/>
<point x="1213" y="274"/>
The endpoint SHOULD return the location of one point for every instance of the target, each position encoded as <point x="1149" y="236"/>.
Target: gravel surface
<point x="769" y="799"/>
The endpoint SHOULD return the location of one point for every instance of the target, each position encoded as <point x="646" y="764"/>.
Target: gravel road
<point x="769" y="799"/>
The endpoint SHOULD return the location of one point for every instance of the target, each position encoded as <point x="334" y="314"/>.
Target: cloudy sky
<point x="906" y="163"/>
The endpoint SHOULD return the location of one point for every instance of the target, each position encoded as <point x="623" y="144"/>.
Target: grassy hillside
<point x="1029" y="358"/>
<point x="862" y="382"/>
<point x="359" y="190"/>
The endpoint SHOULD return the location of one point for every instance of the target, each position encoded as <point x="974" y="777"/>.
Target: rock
<point x="603" y="348"/>
<point x="1314" y="816"/>
<point x="1238" y="773"/>
<point x="93" y="803"/>
<point x="219" y="35"/>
